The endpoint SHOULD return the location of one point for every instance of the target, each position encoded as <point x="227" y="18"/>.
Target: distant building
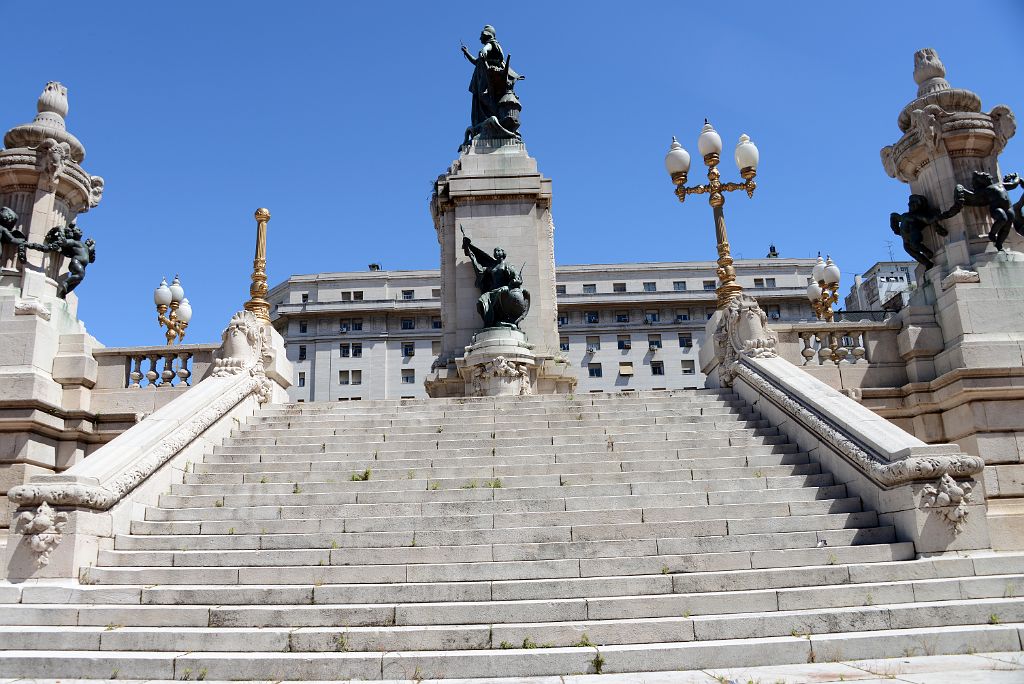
<point x="623" y="327"/>
<point x="886" y="285"/>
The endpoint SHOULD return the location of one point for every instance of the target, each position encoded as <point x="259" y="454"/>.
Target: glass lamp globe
<point x="677" y="161"/>
<point x="818" y="272"/>
<point x="831" y="273"/>
<point x="813" y="291"/>
<point x="747" y="155"/>
<point x="177" y="291"/>
<point x="184" y="311"/>
<point x="162" y="295"/>
<point x="709" y="142"/>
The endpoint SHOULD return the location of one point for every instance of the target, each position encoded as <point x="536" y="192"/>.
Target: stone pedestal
<point x="495" y="193"/>
<point x="963" y="330"/>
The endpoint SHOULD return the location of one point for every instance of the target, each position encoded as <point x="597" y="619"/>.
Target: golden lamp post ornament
<point x="258" y="303"/>
<point x="172" y="297"/>
<point x="677" y="161"/>
<point x="823" y="290"/>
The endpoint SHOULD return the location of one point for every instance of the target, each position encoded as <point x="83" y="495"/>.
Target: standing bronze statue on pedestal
<point x="495" y="112"/>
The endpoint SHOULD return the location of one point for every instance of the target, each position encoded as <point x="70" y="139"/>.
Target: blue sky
<point x="337" y="116"/>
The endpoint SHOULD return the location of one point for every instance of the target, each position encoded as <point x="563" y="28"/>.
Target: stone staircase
<point x="505" y="537"/>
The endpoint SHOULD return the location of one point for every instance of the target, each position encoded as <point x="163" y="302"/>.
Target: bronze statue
<point x="9" y="235"/>
<point x="68" y="242"/>
<point x="495" y="109"/>
<point x="503" y="301"/>
<point x="911" y="226"/>
<point x="1011" y="181"/>
<point x="988" y="192"/>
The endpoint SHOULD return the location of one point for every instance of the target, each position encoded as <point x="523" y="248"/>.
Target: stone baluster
<point x="859" y="350"/>
<point x="152" y="375"/>
<point x="135" y="370"/>
<point x="184" y="370"/>
<point x="168" y="375"/>
<point x="808" y="347"/>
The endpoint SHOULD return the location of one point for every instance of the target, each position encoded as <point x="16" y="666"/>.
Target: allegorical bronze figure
<point x="67" y="241"/>
<point x="911" y="225"/>
<point x="495" y="110"/>
<point x="503" y="301"/>
<point x="9" y="235"/>
<point x="989" y="192"/>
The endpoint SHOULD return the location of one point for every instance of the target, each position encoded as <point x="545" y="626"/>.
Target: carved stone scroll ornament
<point x="742" y="331"/>
<point x="96" y="185"/>
<point x="51" y="158"/>
<point x="882" y="471"/>
<point x="45" y="527"/>
<point x="245" y="348"/>
<point x="949" y="499"/>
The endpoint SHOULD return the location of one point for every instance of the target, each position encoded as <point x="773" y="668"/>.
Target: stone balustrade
<point x="178" y="366"/>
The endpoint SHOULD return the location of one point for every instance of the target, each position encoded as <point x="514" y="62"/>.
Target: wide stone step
<point x="510" y="662"/>
<point x="502" y="570"/>
<point x="546" y="634"/>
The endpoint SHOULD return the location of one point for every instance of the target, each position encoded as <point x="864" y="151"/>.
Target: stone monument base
<point x="500" y="362"/>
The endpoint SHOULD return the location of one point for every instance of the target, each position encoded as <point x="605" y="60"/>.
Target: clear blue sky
<point x="337" y="116"/>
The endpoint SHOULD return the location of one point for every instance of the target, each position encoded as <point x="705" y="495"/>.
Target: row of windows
<point x="348" y="324"/>
<point x="595" y="370"/>
<point x="626" y="342"/>
<point x="355" y="377"/>
<point x="652" y="316"/>
<point x="355" y="350"/>
<point x="357" y="295"/>
<point x="649" y="286"/>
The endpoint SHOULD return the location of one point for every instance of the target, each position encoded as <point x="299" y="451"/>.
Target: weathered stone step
<point x="499" y="570"/>
<point x="308" y="666"/>
<point x="546" y="634"/>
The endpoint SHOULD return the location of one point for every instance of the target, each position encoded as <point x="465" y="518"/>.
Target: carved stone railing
<point x="144" y="367"/>
<point x="932" y="494"/>
<point x="64" y="520"/>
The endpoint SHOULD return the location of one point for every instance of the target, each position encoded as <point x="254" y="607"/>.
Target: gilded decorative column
<point x="258" y="303"/>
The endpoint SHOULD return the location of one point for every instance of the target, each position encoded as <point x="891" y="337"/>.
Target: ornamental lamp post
<point x="677" y="162"/>
<point x="823" y="290"/>
<point x="173" y="297"/>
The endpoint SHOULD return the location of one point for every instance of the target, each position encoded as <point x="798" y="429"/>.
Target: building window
<point x="774" y="312"/>
<point x="592" y="317"/>
<point x="758" y="282"/>
<point x="357" y="295"/>
<point x="769" y="282"/>
<point x="559" y="289"/>
<point x="408" y="349"/>
<point x="682" y="315"/>
<point x="435" y="323"/>
<point x="563" y="319"/>
<point x="654" y="342"/>
<point x="593" y="343"/>
<point x="563" y="343"/>
<point x="652" y="316"/>
<point x="408" y="376"/>
<point x="435" y="347"/>
<point x="657" y="367"/>
<point x="357" y="377"/>
<point x="709" y="284"/>
<point x="650" y="287"/>
<point x="618" y="287"/>
<point x="679" y="286"/>
<point x="622" y="317"/>
<point x="357" y="323"/>
<point x="408" y="294"/>
<point x="708" y="313"/>
<point x="688" y="368"/>
<point x="305" y="297"/>
<point x="590" y="289"/>
<point x="624" y="342"/>
<point x="343" y="377"/>
<point x="302" y="352"/>
<point x="594" y="370"/>
<point x="303" y="327"/>
<point x="625" y="368"/>
<point x="408" y="324"/>
<point x="344" y="325"/>
<point x="302" y="379"/>
<point x="345" y="350"/>
<point x="685" y="340"/>
<point x="357" y="350"/>
<point x="346" y="296"/>
<point x="436" y="293"/>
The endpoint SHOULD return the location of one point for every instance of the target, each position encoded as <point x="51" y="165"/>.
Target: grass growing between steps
<point x="361" y="477"/>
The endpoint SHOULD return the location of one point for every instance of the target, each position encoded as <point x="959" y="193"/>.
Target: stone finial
<point x="929" y="72"/>
<point x="51" y="109"/>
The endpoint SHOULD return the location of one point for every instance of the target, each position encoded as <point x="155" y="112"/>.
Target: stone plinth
<point x="495" y="193"/>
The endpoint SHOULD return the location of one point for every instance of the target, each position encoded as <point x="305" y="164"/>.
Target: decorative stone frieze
<point x="949" y="499"/>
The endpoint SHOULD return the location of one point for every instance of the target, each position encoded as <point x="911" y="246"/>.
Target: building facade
<point x="622" y="327"/>
<point x="880" y="284"/>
